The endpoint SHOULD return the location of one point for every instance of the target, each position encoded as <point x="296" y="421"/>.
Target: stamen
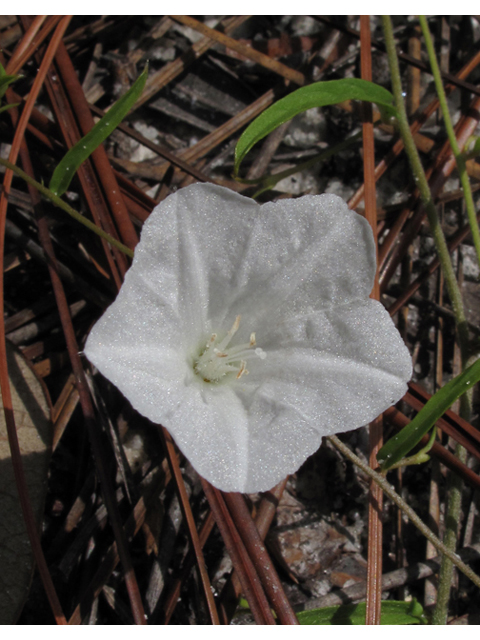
<point x="230" y="334"/>
<point x="243" y="369"/>
<point x="217" y="361"/>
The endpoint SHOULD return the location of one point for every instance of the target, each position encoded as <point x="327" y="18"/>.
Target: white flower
<point x="248" y="332"/>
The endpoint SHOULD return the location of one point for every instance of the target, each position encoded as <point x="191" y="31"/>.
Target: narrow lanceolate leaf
<point x="69" y="164"/>
<point x="400" y="445"/>
<point x="393" y="612"/>
<point x="319" y="94"/>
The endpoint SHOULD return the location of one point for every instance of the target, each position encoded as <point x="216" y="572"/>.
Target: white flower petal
<point x="135" y="370"/>
<point x="303" y="254"/>
<point x="211" y="428"/>
<point x="191" y="249"/>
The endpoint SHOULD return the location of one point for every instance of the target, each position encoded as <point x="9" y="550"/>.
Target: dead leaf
<point x="32" y="417"/>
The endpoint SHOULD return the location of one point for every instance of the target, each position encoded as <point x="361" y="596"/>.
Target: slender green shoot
<point x="424" y="189"/>
<point x="67" y="208"/>
<point x="387" y="488"/>
<point x="459" y="156"/>
<point x="453" y="508"/>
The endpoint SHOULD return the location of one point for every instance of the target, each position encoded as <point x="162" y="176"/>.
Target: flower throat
<point x="218" y="360"/>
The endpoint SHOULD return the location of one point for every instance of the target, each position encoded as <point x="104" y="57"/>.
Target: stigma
<point x="219" y="360"/>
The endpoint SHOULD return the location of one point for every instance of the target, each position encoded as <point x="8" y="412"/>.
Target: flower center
<point x="218" y="360"/>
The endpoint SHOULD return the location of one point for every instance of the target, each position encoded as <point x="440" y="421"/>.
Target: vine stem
<point x="424" y="189"/>
<point x="458" y="155"/>
<point x="454" y="483"/>
<point x="66" y="207"/>
<point x="407" y="510"/>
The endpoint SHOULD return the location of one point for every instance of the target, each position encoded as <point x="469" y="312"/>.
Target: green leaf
<point x="393" y="613"/>
<point x="473" y="146"/>
<point x="8" y="106"/>
<point x="69" y="164"/>
<point x="5" y="81"/>
<point x="401" y="444"/>
<point x="319" y="94"/>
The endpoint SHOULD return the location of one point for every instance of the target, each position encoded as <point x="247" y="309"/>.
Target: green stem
<point x="407" y="510"/>
<point x="458" y="155"/>
<point x="66" y="207"/>
<point x="445" y="576"/>
<point x="418" y="458"/>
<point x="455" y="483"/>
<point x="424" y="189"/>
